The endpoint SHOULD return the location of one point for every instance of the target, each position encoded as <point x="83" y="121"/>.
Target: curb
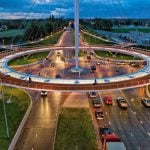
<point x="21" y="126"/>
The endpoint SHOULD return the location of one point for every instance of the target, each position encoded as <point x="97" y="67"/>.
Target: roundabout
<point x="130" y="80"/>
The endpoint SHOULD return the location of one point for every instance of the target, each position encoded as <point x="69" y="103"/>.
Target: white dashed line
<point x="131" y="134"/>
<point x="109" y="123"/>
<point x="141" y="122"/>
<point x="36" y="135"/>
<point x="148" y="133"/>
<point x="138" y="148"/>
<point x="101" y="100"/>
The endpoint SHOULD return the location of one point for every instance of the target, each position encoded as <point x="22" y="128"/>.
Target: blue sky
<point x="13" y="9"/>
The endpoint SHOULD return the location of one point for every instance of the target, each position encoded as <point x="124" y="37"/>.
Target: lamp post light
<point x="4" y="108"/>
<point x="3" y="42"/>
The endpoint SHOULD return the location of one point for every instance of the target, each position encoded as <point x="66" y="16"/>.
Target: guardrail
<point x="75" y="87"/>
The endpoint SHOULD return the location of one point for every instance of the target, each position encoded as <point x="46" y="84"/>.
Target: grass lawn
<point x="75" y="130"/>
<point x="93" y="40"/>
<point x="28" y="59"/>
<point x="12" y="33"/>
<point x="126" y="30"/>
<point x="47" y="41"/>
<point x="112" y="55"/>
<point x="15" y="112"/>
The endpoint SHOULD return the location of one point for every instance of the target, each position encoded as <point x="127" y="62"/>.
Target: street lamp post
<point x="4" y="108"/>
<point x="3" y="42"/>
<point x="76" y="3"/>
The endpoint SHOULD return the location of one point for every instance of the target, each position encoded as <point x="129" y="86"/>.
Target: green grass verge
<point x="93" y="40"/>
<point x="48" y="41"/>
<point x="15" y="112"/>
<point x="75" y="130"/>
<point x="28" y="59"/>
<point x="126" y="30"/>
<point x="111" y="55"/>
<point x="12" y="33"/>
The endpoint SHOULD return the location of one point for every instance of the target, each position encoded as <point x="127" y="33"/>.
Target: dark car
<point x="99" y="114"/>
<point x="88" y="57"/>
<point x="92" y="94"/>
<point x="122" y="102"/>
<point x="93" y="67"/>
<point x="146" y="102"/>
<point x="58" y="76"/>
<point x="104" y="130"/>
<point x="96" y="103"/>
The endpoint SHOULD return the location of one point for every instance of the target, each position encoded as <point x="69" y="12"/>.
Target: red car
<point x="108" y="100"/>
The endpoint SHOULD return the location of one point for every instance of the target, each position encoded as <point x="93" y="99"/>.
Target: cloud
<point x="88" y="8"/>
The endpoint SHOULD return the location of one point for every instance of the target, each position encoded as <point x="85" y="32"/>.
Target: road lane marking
<point x="148" y="133"/>
<point x="141" y="122"/>
<point x="138" y="148"/>
<point x="101" y="100"/>
<point x="109" y="123"/>
<point x="131" y="134"/>
<point x="36" y="135"/>
<point x="134" y="112"/>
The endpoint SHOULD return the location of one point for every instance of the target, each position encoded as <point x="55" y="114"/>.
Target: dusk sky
<point x="14" y="9"/>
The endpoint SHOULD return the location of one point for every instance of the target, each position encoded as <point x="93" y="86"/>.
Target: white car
<point x="44" y="93"/>
<point x="92" y="94"/>
<point x="146" y="102"/>
<point x="122" y="102"/>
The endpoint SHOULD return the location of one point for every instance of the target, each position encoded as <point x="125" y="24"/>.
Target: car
<point x="108" y="100"/>
<point x="44" y="93"/>
<point x="96" y="103"/>
<point x="92" y="94"/>
<point x="91" y="53"/>
<point x="104" y="130"/>
<point x="146" y="102"/>
<point x="93" y="67"/>
<point x="88" y="57"/>
<point x="99" y="114"/>
<point x="57" y="76"/>
<point x="98" y="62"/>
<point x="122" y="102"/>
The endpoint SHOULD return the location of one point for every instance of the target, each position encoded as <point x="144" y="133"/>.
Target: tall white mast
<point x="76" y="3"/>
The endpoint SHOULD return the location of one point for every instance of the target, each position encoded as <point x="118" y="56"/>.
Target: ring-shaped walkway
<point x="138" y="78"/>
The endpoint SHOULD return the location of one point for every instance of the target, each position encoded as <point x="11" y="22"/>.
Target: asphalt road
<point x="133" y="124"/>
<point x="40" y="128"/>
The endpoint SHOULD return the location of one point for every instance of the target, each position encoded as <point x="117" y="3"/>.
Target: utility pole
<point x="5" y="114"/>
